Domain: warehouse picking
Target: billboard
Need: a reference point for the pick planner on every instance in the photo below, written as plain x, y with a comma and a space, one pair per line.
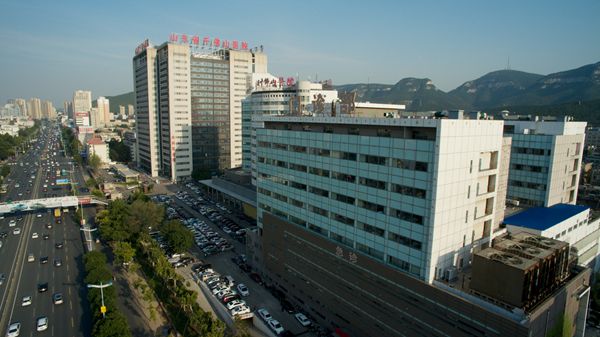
62, 182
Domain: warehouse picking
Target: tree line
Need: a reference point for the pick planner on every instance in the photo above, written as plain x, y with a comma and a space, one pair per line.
9, 144
126, 226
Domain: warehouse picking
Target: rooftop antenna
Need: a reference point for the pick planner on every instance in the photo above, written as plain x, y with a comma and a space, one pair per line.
508, 63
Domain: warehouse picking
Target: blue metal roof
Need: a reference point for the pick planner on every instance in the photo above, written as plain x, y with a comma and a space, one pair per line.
542, 218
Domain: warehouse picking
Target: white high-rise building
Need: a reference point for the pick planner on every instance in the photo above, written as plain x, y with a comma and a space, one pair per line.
82, 104
103, 110
217, 81
170, 117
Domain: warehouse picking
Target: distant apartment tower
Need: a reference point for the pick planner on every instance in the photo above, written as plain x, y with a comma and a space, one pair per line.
163, 118
35, 108
48, 110
22, 104
130, 111
82, 104
122, 112
545, 161
103, 105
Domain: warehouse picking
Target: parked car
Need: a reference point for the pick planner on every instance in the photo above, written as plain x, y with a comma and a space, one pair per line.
243, 289
234, 303
240, 310
302, 319
264, 314
275, 326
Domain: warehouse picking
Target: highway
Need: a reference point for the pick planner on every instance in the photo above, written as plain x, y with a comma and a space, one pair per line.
35, 180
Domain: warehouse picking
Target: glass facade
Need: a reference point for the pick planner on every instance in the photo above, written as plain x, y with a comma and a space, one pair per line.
368, 193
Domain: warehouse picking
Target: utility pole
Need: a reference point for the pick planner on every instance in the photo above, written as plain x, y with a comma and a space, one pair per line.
101, 286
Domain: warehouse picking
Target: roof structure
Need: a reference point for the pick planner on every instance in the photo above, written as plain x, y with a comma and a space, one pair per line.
542, 218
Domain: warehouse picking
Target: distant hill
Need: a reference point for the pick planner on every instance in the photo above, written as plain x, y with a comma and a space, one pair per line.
503, 88
494, 88
123, 99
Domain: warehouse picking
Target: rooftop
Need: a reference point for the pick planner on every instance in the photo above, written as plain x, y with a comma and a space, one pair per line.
542, 218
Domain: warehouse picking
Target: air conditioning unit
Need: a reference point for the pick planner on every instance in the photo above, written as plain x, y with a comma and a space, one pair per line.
450, 274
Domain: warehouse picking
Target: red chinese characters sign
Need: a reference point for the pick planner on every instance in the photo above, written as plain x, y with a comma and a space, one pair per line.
215, 42
142, 46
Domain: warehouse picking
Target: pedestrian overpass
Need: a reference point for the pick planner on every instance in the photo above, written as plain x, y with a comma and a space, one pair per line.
49, 203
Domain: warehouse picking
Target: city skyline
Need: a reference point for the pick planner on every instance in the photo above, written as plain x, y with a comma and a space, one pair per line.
359, 43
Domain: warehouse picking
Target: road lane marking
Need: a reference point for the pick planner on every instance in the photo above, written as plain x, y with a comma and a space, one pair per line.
71, 304
72, 322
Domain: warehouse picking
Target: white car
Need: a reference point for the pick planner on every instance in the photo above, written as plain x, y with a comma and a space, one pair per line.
14, 330
42, 323
235, 303
17, 231
220, 289
304, 321
26, 301
275, 326
240, 310
39, 215
12, 223
264, 314
225, 292
243, 289
34, 235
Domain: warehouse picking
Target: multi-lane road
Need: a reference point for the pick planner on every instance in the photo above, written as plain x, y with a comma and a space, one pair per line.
34, 176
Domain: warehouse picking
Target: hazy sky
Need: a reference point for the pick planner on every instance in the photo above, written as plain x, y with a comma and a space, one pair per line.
51, 48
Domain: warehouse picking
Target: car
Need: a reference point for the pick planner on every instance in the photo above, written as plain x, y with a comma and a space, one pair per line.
12, 223
275, 326
240, 310
243, 289
14, 330
34, 235
49, 225
3, 234
59, 245
264, 314
43, 260
17, 231
225, 292
42, 323
57, 298
2, 278
287, 306
38, 215
235, 303
43, 287
26, 301
302, 319
46, 236
230, 297
30, 257
57, 262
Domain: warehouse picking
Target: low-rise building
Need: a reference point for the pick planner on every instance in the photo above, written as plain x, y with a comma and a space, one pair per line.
565, 222
98, 147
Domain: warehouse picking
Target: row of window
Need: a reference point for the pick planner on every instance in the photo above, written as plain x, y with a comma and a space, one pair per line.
535, 186
529, 150
373, 207
378, 184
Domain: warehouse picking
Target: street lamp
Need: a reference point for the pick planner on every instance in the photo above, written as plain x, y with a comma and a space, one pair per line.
101, 286
89, 230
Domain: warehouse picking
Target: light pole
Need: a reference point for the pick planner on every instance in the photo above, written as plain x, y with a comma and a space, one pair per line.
101, 286
89, 230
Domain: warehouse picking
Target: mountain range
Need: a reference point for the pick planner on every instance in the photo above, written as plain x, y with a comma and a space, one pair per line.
502, 88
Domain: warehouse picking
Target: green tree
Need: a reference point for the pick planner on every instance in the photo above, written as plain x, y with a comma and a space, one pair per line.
145, 214
179, 238
114, 325
5, 170
94, 162
124, 253
90, 183
113, 222
118, 151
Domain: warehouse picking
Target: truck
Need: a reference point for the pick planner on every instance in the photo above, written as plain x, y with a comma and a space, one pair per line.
57, 213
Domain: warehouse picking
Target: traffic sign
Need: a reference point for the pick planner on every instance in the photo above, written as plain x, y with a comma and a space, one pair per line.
103, 309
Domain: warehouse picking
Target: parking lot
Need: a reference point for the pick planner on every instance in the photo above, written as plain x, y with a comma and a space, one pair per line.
220, 247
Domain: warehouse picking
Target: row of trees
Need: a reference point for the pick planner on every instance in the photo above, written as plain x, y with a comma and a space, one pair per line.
126, 225
72, 145
9, 144
113, 324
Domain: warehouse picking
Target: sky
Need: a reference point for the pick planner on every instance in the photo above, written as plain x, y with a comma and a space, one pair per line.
51, 48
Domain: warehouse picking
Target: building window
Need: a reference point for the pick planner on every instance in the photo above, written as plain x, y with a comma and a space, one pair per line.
406, 216
370, 159
371, 206
370, 229
318, 210
297, 167
343, 177
377, 254
343, 219
403, 240
372, 183
343, 198
409, 191
319, 172
318, 191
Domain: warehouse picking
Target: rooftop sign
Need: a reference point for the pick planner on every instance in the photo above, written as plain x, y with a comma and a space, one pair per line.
208, 42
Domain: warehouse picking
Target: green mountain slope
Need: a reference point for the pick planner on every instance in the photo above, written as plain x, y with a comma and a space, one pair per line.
123, 99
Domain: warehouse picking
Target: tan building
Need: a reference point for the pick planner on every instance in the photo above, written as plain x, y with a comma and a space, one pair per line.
35, 108
103, 111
